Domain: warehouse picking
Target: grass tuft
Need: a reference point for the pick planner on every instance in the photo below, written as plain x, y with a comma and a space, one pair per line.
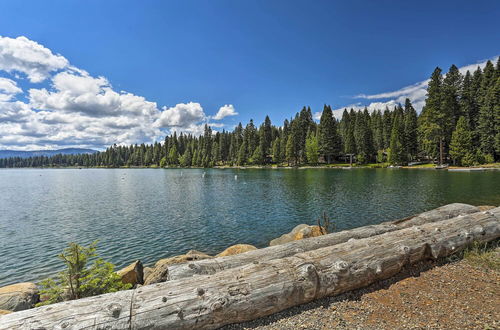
483, 255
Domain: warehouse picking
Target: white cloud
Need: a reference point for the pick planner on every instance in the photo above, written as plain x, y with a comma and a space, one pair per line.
182, 115
8, 88
416, 93
76, 109
225, 111
29, 57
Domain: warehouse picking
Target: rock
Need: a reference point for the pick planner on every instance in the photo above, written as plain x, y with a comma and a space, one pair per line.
146, 272
485, 207
307, 232
132, 274
160, 271
299, 232
18, 297
4, 312
237, 249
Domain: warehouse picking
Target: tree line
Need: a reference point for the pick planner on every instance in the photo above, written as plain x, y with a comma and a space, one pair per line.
459, 123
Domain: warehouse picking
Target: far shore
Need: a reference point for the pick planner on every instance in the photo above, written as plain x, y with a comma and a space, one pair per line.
484, 167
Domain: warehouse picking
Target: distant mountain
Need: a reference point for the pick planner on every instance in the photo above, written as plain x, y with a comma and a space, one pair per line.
33, 153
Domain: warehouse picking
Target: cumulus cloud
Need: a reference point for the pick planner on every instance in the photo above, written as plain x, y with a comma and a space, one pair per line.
225, 111
182, 115
8, 88
75, 109
29, 57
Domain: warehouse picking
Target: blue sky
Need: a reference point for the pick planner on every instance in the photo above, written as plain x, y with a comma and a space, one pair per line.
257, 57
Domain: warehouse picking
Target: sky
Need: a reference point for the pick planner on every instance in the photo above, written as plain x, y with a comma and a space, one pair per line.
93, 73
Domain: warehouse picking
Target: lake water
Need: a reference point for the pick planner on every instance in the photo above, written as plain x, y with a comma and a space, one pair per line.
150, 214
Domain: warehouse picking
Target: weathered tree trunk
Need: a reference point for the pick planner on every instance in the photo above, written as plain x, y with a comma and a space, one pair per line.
263, 288
211, 266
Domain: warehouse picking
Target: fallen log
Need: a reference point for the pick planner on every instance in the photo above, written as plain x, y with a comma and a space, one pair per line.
262, 288
163, 273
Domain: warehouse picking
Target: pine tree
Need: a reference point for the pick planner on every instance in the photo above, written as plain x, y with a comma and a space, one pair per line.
450, 106
397, 152
329, 140
487, 127
432, 120
186, 158
461, 143
410, 130
242, 154
173, 155
290, 150
276, 151
387, 127
377, 130
312, 148
348, 123
362, 137
266, 137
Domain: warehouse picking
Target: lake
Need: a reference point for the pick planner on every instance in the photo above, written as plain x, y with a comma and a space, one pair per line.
150, 214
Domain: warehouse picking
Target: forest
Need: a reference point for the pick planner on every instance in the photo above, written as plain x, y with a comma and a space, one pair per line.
459, 124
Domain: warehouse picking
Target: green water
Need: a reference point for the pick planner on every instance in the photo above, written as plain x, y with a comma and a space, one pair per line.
150, 214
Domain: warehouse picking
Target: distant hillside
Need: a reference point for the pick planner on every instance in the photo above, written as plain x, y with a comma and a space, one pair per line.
33, 153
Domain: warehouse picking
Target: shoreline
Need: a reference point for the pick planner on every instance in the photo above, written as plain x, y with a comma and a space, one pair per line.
485, 167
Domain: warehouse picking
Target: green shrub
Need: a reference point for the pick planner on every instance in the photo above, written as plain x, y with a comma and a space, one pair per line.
79, 281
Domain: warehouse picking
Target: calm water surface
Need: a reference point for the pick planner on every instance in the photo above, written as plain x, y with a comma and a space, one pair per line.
150, 214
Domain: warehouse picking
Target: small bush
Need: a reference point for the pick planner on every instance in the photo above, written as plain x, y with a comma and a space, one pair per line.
325, 226
79, 281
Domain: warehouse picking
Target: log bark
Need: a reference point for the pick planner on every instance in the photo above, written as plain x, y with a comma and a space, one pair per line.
262, 288
212, 266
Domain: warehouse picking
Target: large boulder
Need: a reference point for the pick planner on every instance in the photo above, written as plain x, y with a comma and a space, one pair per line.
18, 297
160, 271
132, 274
299, 232
236, 249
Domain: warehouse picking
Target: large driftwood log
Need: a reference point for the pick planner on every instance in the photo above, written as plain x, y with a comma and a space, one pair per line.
163, 273
263, 288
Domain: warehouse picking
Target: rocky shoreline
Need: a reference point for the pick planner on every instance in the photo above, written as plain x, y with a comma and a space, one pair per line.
22, 296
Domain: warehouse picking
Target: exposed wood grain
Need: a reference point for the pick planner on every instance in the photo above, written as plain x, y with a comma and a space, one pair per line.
263, 288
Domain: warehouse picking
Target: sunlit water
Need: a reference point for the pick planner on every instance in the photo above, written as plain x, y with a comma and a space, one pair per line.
150, 214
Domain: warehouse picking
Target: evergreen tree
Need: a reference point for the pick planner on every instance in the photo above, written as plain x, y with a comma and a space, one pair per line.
461, 148
410, 130
329, 140
242, 154
387, 127
186, 158
348, 121
397, 152
173, 155
487, 127
312, 148
432, 121
362, 137
291, 156
450, 106
266, 137
276, 146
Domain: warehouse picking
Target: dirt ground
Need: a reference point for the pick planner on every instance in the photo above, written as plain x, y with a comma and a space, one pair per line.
429, 295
